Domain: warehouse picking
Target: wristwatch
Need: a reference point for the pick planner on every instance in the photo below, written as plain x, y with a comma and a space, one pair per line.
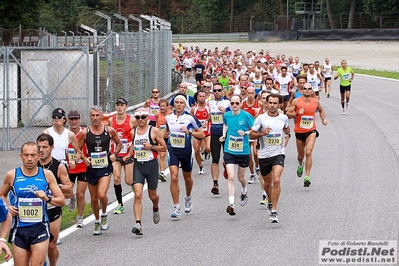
49, 199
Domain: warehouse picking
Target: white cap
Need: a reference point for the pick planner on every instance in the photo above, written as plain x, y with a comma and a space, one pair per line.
141, 111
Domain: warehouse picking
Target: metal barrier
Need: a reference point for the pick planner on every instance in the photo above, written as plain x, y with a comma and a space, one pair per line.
131, 64
37, 80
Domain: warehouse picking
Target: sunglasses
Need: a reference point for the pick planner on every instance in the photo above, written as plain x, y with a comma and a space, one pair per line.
155, 92
244, 88
57, 117
307, 88
142, 117
217, 90
234, 103
206, 87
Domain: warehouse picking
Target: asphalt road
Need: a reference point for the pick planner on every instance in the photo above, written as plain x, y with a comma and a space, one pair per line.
353, 196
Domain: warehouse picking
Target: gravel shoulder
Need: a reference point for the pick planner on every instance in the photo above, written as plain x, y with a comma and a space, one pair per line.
377, 55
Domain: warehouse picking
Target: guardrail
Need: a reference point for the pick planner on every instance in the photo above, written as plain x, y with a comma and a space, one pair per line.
211, 37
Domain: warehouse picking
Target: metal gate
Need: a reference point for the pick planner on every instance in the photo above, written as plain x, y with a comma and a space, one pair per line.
36, 80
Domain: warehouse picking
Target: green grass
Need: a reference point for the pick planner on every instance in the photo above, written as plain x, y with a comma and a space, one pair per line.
68, 220
378, 73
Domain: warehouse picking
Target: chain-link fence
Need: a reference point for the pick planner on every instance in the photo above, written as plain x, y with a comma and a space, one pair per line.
132, 64
35, 81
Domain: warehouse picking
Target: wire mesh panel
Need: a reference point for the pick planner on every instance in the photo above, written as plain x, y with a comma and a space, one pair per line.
132, 64
38, 80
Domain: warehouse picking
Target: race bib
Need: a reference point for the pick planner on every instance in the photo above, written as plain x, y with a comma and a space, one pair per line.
284, 87
71, 154
274, 139
30, 210
236, 143
295, 71
204, 124
154, 109
306, 122
99, 159
346, 76
177, 140
162, 128
124, 146
141, 154
198, 70
217, 117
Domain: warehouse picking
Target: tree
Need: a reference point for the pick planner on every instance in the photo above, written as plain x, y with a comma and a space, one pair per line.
351, 14
330, 14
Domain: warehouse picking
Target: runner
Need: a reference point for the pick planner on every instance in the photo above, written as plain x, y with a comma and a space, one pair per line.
164, 110
346, 76
147, 142
303, 109
181, 126
273, 131
5, 220
79, 172
250, 105
284, 83
201, 112
314, 79
123, 124
328, 71
153, 106
30, 234
46, 161
218, 107
183, 90
236, 124
97, 138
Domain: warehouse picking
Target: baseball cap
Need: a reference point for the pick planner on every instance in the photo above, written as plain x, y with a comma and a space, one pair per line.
74, 114
239, 63
121, 100
58, 112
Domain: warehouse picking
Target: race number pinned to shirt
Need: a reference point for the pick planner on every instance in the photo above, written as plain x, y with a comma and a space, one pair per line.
154, 109
177, 140
217, 117
306, 122
162, 128
346, 76
30, 210
124, 145
141, 154
99, 159
71, 154
236, 143
274, 139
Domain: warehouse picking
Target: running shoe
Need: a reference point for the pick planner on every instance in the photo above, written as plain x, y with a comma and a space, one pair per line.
328, 95
72, 203
230, 210
79, 222
156, 217
119, 209
243, 199
207, 156
299, 170
343, 112
306, 181
257, 170
274, 218
137, 229
252, 179
269, 207
59, 241
97, 229
176, 212
225, 171
104, 223
215, 190
201, 170
188, 205
264, 200
162, 177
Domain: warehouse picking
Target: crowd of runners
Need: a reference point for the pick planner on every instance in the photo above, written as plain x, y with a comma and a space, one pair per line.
238, 115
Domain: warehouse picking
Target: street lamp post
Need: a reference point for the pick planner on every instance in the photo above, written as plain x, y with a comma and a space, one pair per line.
73, 38
66, 40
